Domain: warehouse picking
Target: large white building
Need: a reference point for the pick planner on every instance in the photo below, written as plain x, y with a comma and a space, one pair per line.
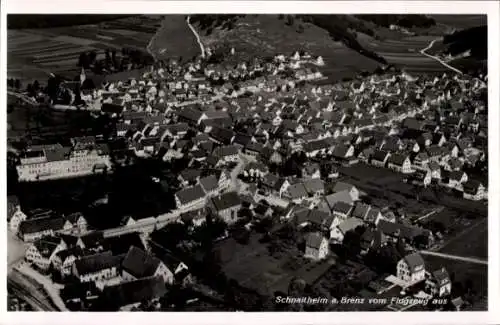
46, 162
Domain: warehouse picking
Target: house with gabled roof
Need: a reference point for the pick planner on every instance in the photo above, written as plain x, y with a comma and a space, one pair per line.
138, 264
96, 267
226, 206
474, 190
32, 229
338, 233
400, 163
438, 283
296, 192
380, 158
190, 198
411, 269
42, 251
209, 184
317, 246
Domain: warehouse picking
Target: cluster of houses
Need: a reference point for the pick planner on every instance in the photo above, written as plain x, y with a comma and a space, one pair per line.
121, 269
430, 129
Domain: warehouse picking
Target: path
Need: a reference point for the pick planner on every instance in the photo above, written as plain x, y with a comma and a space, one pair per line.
24, 98
198, 39
425, 216
422, 51
50, 287
456, 258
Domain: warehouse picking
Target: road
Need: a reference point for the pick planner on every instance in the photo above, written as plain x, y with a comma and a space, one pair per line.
24, 98
455, 257
29, 291
425, 216
198, 39
423, 52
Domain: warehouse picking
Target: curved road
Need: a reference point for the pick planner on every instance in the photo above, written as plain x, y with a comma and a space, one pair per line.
422, 51
198, 39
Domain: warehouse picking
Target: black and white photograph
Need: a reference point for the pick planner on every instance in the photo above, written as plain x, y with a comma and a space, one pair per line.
243, 162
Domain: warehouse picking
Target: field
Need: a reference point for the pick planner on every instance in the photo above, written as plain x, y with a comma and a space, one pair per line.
405, 53
460, 21
35, 53
174, 39
266, 35
253, 267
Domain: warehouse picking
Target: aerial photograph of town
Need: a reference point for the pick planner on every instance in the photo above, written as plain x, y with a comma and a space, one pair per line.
247, 162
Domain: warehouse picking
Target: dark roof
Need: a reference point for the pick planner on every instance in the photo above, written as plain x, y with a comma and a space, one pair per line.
190, 194
127, 293
97, 262
414, 260
441, 276
314, 240
190, 114
140, 264
361, 210
225, 151
222, 135
209, 183
31, 226
342, 207
226, 201
121, 244
314, 185
397, 159
342, 186
297, 191
408, 232
380, 155
46, 246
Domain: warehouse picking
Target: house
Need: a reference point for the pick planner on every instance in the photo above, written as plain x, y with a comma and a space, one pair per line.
311, 171
351, 189
435, 170
372, 239
454, 179
411, 269
421, 177
32, 229
438, 283
125, 295
42, 251
342, 210
373, 216
15, 216
314, 187
78, 220
209, 185
226, 154
190, 198
474, 190
64, 259
338, 233
400, 163
317, 246
138, 264
421, 160
226, 206
379, 158
296, 192
96, 267
395, 231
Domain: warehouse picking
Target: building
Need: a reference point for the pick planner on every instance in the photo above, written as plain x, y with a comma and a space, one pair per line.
411, 269
125, 295
400, 163
338, 233
33, 229
316, 246
64, 260
210, 185
190, 198
138, 264
474, 190
226, 206
438, 283
41, 253
96, 267
55, 161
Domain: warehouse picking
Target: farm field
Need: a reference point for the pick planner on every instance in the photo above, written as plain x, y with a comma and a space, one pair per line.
266, 35
174, 39
33, 54
460, 21
405, 52
253, 267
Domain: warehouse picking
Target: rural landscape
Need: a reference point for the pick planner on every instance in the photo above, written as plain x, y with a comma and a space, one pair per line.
277, 162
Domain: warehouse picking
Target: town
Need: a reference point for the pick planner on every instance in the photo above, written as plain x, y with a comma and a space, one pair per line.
274, 182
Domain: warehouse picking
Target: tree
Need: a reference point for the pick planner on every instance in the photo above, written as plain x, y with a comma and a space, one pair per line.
17, 84
300, 29
83, 60
289, 20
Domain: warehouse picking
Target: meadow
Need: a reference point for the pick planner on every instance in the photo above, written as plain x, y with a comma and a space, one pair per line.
32, 54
